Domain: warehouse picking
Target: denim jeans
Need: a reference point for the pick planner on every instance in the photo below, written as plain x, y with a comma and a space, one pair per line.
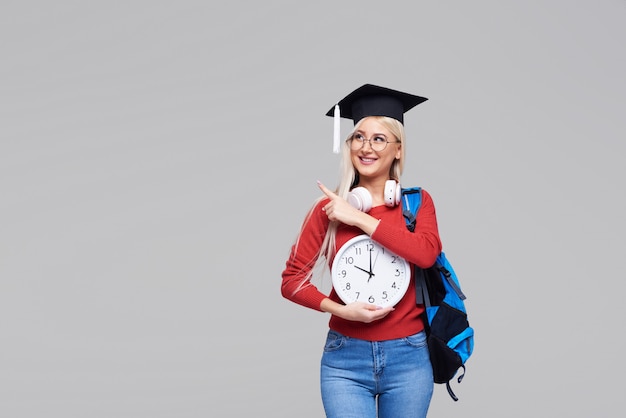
361, 378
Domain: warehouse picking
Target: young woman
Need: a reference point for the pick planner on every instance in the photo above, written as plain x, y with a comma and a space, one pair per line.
375, 361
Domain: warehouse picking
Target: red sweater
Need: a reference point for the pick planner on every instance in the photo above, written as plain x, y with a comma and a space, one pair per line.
420, 248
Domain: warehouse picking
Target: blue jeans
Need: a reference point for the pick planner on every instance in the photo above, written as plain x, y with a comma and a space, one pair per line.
361, 378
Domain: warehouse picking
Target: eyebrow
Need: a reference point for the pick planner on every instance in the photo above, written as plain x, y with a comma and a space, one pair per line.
359, 131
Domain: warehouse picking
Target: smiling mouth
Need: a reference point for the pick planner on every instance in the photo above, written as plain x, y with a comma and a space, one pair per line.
367, 160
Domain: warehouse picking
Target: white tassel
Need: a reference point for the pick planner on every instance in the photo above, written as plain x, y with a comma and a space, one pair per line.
337, 130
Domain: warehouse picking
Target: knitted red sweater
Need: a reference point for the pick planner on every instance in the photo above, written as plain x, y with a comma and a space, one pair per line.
419, 248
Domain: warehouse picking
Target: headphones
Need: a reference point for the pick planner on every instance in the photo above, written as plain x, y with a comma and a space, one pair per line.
360, 197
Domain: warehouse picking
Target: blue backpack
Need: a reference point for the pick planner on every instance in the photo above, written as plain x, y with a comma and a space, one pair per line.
450, 337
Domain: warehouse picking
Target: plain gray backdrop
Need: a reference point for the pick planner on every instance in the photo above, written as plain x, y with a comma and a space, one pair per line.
157, 159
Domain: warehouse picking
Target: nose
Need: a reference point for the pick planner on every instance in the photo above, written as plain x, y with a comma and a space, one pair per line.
367, 142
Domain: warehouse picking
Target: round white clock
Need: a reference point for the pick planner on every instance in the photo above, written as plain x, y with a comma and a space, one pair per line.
365, 271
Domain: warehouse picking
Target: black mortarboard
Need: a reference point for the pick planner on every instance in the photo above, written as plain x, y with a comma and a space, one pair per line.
371, 100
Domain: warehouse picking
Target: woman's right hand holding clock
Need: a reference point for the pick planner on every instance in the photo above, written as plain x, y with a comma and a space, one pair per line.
356, 311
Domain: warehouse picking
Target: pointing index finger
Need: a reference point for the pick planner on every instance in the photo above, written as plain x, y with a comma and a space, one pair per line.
324, 189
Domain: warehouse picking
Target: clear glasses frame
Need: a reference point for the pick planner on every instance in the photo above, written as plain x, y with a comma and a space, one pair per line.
377, 143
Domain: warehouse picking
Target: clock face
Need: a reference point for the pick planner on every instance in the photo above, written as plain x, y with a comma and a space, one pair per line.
365, 271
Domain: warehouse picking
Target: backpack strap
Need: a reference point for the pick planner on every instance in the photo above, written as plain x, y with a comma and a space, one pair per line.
422, 296
411, 201
459, 379
446, 273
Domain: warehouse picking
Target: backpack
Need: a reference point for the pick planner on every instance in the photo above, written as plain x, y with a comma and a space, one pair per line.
449, 335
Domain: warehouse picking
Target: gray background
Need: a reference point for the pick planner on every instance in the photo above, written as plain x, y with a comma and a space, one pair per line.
157, 158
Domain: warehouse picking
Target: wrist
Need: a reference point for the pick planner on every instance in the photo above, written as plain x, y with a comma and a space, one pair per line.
332, 307
367, 223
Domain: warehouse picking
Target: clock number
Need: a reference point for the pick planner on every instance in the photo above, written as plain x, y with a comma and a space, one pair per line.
357, 295
343, 273
394, 258
397, 272
394, 285
371, 299
385, 294
357, 250
348, 286
369, 247
349, 260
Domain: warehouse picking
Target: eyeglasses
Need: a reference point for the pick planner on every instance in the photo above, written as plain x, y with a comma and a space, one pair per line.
377, 143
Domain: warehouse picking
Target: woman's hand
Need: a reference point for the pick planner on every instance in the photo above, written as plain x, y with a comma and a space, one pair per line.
338, 209
365, 312
356, 311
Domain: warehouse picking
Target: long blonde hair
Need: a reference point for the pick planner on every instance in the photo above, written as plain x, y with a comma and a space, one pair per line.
347, 181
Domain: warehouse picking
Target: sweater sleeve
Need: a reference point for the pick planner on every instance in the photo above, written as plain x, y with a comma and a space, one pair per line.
296, 285
420, 247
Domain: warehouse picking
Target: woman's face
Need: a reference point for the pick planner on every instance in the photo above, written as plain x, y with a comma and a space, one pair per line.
368, 162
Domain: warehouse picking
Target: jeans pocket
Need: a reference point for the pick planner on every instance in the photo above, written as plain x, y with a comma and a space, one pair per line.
416, 340
334, 341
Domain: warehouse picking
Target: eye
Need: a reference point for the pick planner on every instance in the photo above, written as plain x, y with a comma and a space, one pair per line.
379, 140
358, 137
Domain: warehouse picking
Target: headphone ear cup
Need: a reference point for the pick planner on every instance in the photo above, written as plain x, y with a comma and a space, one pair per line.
360, 198
398, 193
392, 193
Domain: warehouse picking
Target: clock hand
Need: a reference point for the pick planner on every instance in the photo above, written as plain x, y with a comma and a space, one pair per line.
370, 272
372, 266
362, 269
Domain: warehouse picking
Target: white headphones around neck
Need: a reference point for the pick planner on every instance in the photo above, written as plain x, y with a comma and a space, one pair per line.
360, 197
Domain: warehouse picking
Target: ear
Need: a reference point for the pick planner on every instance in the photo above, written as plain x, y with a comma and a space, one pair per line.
399, 151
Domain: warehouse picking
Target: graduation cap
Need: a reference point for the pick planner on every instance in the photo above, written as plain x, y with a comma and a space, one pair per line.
371, 100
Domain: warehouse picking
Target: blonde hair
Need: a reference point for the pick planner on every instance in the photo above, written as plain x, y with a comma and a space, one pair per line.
348, 179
